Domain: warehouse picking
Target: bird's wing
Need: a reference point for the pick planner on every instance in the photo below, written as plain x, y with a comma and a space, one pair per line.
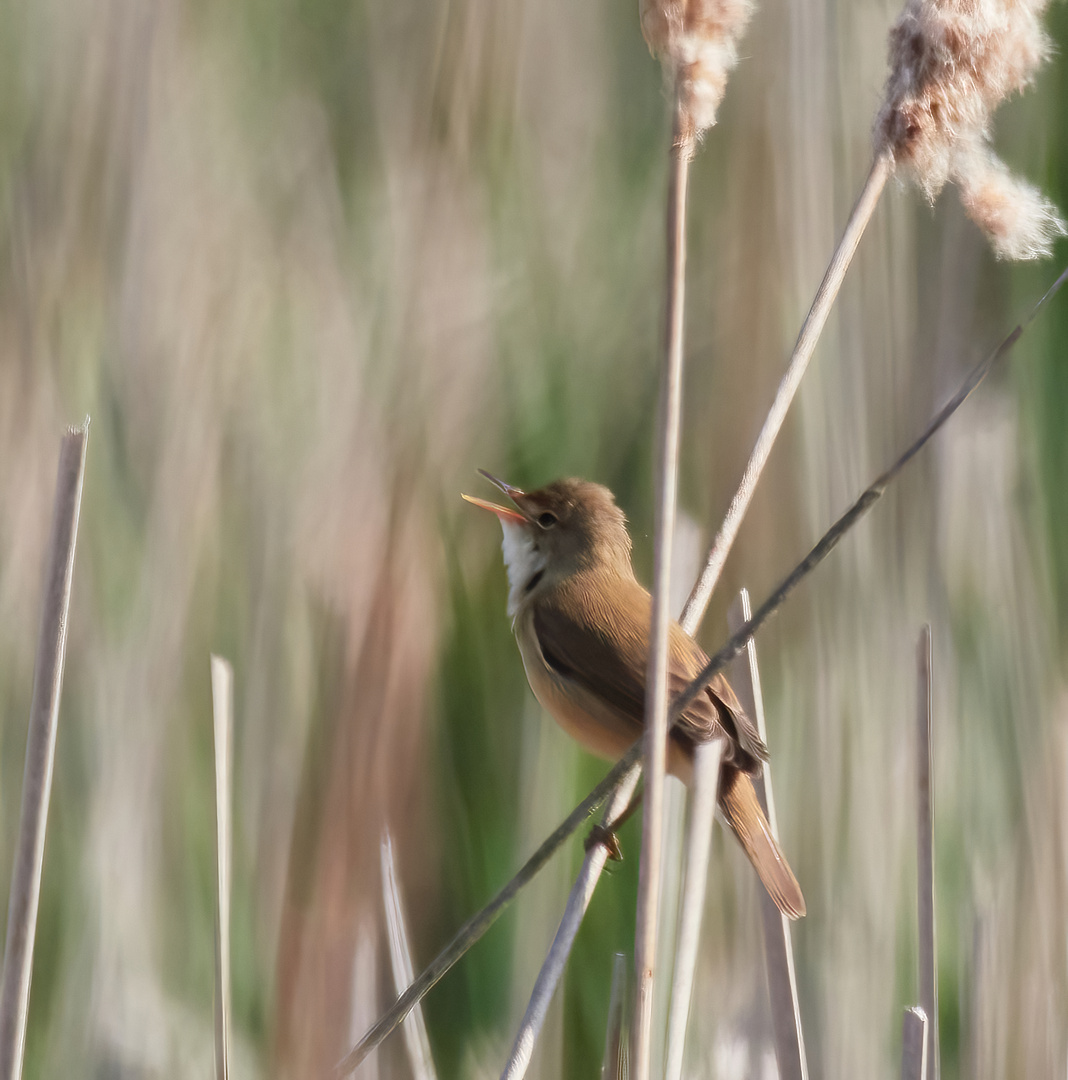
688, 659
612, 639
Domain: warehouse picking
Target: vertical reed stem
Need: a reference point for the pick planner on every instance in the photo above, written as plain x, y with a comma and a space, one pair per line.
656, 698
778, 940
928, 960
40, 755
914, 1045
222, 700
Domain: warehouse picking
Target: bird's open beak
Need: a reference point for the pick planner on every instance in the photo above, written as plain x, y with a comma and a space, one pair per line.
505, 513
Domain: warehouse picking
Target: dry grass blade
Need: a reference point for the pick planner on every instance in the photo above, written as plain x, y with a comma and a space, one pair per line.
704, 789
656, 692
784, 396
778, 942
914, 1045
553, 968
479, 923
415, 1034
863, 504
40, 754
925, 910
222, 701
614, 1065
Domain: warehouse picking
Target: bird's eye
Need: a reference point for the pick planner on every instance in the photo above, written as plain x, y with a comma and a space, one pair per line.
546, 520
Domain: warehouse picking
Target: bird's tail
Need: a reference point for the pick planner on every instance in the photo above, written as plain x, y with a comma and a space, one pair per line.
738, 801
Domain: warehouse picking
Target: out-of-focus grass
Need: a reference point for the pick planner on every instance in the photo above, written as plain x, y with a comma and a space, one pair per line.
308, 266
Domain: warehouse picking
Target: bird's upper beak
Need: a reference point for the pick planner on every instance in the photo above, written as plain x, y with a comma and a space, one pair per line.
505, 513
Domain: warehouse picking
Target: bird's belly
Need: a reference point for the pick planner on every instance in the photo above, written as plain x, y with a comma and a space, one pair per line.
594, 725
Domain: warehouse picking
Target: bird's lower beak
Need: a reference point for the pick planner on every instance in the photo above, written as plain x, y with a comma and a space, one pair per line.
505, 513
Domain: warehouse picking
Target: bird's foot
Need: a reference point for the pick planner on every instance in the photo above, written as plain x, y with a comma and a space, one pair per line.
600, 834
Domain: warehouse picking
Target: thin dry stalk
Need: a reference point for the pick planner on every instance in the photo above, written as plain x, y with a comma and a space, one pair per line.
868, 498
553, 968
925, 849
614, 1065
222, 701
914, 1045
416, 1038
698, 846
477, 925
40, 754
778, 941
481, 921
656, 695
811, 329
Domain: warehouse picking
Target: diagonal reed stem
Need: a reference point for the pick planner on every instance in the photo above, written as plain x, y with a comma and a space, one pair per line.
656, 685
811, 329
868, 498
40, 754
480, 922
552, 969
477, 925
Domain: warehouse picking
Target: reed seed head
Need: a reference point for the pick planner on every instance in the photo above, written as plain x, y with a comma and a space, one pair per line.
697, 42
951, 63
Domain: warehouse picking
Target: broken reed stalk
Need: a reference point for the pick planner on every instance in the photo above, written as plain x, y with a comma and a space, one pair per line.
482, 920
656, 684
778, 939
614, 1063
416, 1039
40, 754
222, 702
925, 909
552, 968
477, 925
704, 789
811, 329
914, 1045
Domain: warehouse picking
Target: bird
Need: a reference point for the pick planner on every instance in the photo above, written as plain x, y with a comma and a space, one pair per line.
582, 621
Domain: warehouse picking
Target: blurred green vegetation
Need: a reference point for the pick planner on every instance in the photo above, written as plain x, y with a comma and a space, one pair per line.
308, 265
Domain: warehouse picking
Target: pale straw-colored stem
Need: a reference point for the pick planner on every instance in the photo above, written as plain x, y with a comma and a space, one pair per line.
222, 702
25, 891
416, 1038
914, 1045
925, 851
656, 695
614, 1063
707, 757
482, 920
553, 968
778, 940
813, 325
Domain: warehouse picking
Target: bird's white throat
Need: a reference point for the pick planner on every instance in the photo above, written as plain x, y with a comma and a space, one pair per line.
522, 560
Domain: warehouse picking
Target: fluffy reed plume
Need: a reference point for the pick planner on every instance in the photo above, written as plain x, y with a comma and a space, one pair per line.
697, 42
951, 63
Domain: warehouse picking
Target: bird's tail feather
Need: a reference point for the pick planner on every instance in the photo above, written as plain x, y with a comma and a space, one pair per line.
738, 801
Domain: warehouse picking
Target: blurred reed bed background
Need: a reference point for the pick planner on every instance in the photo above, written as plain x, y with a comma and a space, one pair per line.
307, 265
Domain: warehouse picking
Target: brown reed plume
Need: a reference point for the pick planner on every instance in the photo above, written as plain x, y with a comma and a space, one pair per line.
951, 63
697, 42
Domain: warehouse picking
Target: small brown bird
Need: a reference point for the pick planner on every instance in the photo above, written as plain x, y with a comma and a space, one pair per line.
582, 621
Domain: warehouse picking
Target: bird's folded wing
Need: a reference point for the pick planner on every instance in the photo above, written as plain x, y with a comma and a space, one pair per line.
607, 653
